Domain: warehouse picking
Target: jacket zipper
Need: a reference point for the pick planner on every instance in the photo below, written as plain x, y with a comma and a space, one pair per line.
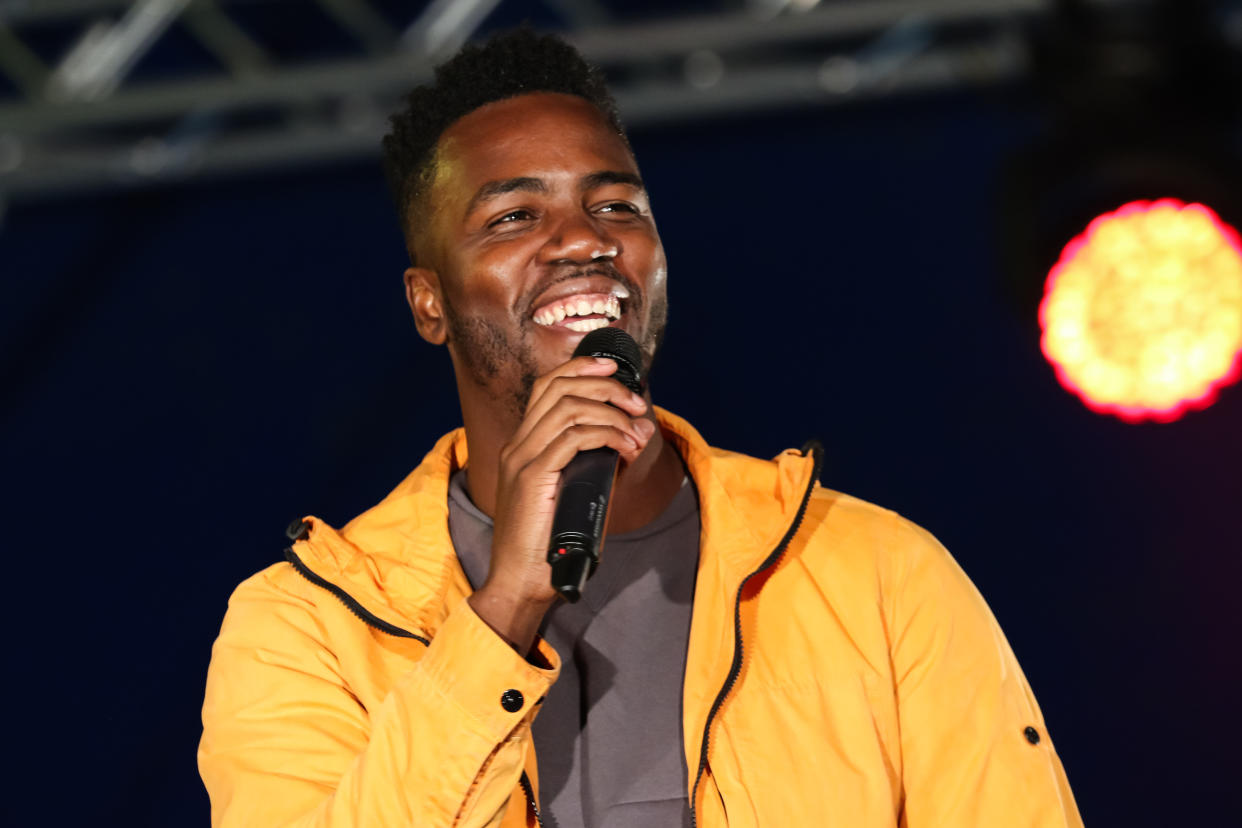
349, 601
530, 797
817, 454
371, 620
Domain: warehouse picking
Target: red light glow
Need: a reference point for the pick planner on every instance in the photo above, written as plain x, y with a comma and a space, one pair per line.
1142, 315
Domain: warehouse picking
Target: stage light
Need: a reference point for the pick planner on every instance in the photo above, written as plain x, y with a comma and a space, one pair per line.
1142, 315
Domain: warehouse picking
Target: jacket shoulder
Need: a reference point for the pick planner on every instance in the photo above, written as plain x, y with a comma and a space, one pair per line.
848, 538
279, 581
278, 597
844, 517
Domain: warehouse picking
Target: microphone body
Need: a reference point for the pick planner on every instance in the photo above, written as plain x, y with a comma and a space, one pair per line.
581, 516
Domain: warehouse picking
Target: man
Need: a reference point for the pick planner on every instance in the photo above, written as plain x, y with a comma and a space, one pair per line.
754, 650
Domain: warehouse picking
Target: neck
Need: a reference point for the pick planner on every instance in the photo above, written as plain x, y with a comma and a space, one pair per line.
643, 489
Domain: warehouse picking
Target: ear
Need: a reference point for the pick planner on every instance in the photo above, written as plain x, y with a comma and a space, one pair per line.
422, 291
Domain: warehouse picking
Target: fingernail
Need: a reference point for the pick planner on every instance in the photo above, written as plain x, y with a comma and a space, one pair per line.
603, 361
645, 427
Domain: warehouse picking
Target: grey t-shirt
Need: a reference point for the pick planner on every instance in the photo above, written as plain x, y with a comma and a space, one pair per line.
609, 736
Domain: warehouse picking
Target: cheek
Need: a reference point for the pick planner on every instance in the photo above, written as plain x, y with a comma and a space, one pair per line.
659, 287
648, 241
507, 263
488, 283
655, 269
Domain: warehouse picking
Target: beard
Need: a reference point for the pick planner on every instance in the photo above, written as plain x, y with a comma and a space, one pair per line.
488, 352
503, 360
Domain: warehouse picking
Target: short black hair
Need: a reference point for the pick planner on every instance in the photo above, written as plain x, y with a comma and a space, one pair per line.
511, 63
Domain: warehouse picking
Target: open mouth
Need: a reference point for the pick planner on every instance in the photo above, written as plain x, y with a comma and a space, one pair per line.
581, 312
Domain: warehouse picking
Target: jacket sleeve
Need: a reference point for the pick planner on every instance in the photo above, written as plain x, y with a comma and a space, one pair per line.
285, 742
975, 750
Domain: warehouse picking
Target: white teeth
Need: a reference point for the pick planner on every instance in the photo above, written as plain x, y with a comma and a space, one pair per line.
586, 325
610, 307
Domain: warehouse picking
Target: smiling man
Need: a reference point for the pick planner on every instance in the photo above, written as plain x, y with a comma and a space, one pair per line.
755, 650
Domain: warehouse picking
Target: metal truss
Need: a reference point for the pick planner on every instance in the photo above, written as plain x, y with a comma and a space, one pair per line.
93, 120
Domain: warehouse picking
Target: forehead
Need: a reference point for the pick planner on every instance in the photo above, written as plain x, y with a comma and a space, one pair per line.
542, 135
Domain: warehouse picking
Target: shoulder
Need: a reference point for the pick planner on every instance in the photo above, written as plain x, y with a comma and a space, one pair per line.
874, 551
276, 597
849, 546
835, 520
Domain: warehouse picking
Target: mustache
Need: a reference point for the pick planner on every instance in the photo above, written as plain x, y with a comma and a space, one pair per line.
605, 269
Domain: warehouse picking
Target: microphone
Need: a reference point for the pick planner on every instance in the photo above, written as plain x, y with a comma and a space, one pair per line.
586, 483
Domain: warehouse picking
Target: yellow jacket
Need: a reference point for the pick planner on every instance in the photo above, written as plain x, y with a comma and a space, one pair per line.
841, 671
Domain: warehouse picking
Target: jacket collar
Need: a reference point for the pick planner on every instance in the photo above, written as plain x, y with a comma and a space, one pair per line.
746, 504
394, 557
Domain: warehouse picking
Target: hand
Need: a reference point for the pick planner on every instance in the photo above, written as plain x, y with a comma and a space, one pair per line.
575, 407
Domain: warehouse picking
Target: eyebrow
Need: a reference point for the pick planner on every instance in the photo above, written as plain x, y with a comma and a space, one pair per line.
605, 177
495, 189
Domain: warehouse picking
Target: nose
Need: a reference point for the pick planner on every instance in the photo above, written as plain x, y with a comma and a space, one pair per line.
579, 239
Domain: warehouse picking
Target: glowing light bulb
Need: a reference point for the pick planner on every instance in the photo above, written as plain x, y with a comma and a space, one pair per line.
1142, 315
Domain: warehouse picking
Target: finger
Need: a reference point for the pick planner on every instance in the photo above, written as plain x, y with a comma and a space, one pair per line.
566, 413
583, 366
599, 389
557, 454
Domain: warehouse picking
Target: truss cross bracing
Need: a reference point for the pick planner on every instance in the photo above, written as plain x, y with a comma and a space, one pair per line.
105, 93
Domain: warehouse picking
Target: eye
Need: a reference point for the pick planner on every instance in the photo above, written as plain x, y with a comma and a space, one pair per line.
619, 207
512, 217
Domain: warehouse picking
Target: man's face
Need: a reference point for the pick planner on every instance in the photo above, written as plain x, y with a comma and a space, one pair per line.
539, 230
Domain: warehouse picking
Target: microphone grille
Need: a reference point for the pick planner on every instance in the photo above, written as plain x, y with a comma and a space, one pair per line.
620, 347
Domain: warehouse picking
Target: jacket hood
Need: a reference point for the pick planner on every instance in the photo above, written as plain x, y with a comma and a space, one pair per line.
391, 557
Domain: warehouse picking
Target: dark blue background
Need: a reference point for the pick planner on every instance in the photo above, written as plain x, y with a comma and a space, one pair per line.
186, 369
